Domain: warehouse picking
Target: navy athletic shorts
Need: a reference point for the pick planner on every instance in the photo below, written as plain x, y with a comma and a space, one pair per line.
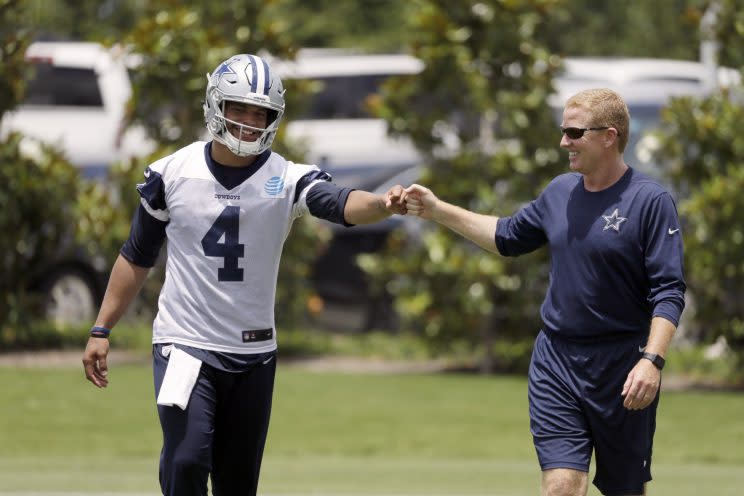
576, 407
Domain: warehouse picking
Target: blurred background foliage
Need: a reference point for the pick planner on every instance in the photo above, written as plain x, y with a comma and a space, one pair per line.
488, 71
36, 215
487, 76
703, 148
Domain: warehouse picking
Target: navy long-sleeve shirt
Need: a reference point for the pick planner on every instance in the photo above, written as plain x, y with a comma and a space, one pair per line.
616, 254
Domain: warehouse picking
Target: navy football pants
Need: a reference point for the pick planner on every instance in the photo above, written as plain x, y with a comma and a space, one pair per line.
221, 433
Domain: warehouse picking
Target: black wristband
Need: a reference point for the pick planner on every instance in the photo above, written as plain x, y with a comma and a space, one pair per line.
100, 332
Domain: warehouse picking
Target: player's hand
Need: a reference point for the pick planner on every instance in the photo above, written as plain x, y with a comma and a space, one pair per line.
420, 201
94, 361
395, 200
642, 385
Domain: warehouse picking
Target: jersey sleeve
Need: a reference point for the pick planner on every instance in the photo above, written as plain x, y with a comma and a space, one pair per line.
323, 198
664, 260
152, 195
147, 233
522, 232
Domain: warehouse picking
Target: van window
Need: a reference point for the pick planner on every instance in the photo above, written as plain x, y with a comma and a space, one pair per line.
63, 86
342, 97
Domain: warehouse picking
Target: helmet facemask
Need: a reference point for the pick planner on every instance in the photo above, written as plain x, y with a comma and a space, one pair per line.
243, 79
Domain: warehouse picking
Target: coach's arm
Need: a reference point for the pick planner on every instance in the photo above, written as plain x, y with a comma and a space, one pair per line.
478, 228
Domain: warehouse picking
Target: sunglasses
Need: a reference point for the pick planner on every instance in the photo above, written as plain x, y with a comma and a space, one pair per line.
578, 132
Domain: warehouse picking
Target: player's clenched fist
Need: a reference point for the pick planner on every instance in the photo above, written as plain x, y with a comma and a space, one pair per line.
395, 200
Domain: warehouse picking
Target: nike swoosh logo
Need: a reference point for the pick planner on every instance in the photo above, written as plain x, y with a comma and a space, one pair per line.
641, 349
268, 360
672, 231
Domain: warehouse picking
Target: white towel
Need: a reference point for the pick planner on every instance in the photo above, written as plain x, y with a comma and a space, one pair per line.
179, 380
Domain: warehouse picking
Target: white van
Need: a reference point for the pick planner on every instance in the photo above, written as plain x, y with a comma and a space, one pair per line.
76, 100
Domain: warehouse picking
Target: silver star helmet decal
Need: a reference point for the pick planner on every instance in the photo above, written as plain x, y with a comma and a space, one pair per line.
613, 221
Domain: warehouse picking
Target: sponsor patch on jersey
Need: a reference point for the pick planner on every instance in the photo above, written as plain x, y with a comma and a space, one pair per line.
257, 335
274, 188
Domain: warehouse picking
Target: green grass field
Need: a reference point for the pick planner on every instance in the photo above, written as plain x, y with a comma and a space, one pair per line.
341, 434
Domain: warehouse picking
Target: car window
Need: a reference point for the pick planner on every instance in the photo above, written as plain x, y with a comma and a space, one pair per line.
63, 86
342, 97
643, 118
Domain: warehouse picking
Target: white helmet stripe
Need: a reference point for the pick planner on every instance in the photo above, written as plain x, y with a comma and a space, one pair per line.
267, 77
260, 79
253, 77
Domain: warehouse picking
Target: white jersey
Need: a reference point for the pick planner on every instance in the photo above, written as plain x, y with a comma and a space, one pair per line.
224, 248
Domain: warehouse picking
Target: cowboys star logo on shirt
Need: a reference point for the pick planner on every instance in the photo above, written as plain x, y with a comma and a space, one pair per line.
613, 221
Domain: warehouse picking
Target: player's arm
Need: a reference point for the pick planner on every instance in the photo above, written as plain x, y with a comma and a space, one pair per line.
125, 282
478, 228
128, 274
347, 206
363, 207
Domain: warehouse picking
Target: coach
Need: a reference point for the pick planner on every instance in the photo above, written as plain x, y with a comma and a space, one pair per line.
614, 300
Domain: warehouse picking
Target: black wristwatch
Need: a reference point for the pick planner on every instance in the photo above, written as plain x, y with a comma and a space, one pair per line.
657, 360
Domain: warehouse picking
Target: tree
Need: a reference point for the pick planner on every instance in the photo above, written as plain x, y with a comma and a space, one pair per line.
35, 208
373, 25
704, 149
13, 44
479, 115
632, 28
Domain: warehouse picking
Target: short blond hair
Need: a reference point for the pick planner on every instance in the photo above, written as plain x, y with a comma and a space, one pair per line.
607, 109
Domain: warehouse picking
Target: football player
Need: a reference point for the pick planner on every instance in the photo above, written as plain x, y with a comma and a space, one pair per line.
225, 207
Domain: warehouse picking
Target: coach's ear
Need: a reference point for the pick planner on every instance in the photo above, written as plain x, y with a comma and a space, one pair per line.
610, 137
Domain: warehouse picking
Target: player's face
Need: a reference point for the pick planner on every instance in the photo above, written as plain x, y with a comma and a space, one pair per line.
253, 120
584, 152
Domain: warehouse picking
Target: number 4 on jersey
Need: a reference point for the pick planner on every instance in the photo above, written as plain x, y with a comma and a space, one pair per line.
227, 224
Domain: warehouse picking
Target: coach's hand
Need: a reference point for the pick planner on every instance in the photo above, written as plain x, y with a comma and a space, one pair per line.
94, 361
421, 202
642, 385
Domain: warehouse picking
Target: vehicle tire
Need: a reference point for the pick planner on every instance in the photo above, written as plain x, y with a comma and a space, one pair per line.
70, 297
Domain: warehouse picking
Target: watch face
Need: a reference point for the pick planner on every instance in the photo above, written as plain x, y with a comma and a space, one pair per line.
657, 360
